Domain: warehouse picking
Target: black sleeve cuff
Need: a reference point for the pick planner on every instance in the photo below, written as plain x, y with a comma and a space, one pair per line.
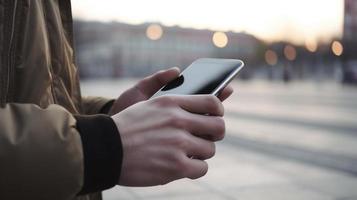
106, 108
102, 151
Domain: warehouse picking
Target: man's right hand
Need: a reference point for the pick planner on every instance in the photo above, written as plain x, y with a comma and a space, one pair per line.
163, 138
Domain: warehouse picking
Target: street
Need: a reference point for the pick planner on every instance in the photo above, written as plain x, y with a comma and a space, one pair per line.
283, 141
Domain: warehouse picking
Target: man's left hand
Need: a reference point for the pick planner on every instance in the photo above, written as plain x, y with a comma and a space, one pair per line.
148, 86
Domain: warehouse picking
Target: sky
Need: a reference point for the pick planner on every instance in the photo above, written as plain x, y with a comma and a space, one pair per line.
296, 21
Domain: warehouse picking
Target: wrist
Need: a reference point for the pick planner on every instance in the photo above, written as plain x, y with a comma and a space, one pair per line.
102, 151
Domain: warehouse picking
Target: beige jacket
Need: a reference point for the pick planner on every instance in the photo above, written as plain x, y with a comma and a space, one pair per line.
40, 148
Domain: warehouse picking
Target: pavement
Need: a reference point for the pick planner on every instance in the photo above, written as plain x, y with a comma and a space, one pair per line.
283, 141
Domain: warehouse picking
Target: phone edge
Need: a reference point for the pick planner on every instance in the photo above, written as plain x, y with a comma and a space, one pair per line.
228, 80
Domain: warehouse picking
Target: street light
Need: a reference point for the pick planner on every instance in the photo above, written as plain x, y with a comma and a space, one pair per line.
220, 39
290, 52
154, 32
271, 57
337, 48
311, 45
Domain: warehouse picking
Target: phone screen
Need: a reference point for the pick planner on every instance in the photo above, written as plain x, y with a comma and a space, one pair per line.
204, 76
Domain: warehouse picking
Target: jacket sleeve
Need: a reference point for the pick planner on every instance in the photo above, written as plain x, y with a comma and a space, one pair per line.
42, 156
40, 153
94, 105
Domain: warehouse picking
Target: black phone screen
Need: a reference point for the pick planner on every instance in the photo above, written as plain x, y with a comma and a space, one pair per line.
203, 76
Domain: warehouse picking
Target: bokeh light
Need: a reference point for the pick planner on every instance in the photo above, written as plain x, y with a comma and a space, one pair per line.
220, 39
271, 57
154, 32
290, 52
337, 48
311, 45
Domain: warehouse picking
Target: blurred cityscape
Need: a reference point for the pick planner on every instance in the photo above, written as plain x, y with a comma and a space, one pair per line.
114, 49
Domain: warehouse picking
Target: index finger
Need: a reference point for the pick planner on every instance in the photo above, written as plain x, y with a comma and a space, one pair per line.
149, 85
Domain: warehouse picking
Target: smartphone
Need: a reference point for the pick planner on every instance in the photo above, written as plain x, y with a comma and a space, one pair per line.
203, 76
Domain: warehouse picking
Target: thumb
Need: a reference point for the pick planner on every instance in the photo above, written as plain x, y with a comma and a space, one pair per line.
149, 85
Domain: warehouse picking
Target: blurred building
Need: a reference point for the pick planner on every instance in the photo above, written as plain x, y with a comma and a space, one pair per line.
122, 50
350, 20
118, 49
350, 42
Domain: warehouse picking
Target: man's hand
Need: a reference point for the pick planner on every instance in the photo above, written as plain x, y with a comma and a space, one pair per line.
147, 87
162, 138
144, 89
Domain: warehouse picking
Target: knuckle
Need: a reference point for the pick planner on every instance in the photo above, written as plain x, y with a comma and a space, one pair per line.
139, 83
182, 141
180, 121
171, 118
176, 119
164, 101
180, 166
158, 77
